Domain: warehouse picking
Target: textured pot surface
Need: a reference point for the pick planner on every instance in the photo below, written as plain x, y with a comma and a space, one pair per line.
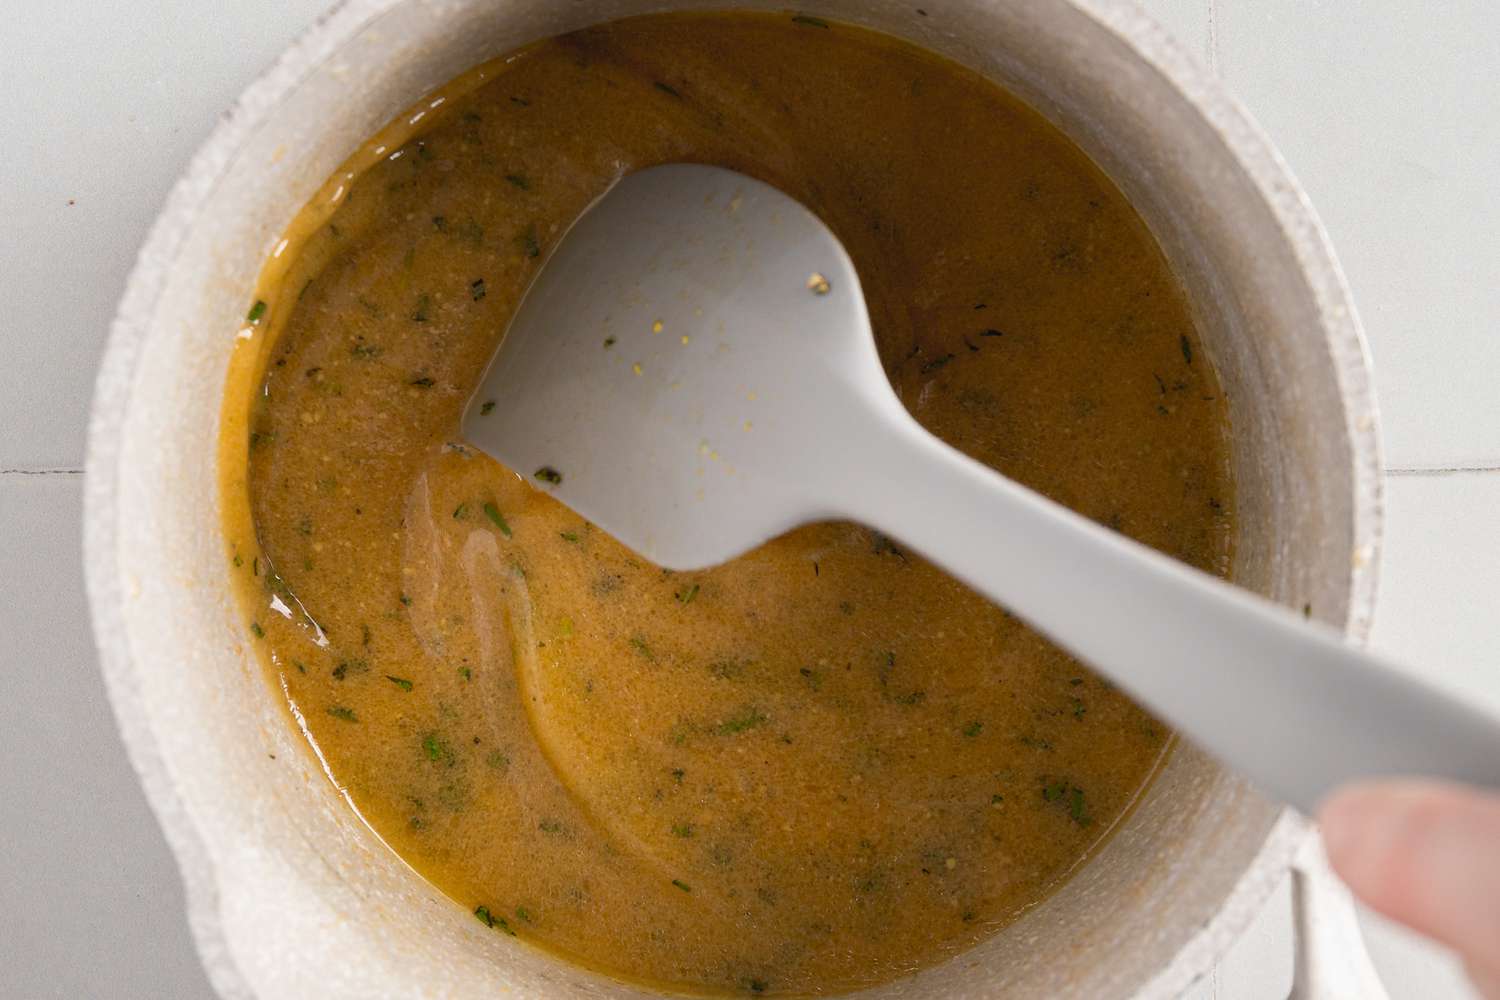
290, 894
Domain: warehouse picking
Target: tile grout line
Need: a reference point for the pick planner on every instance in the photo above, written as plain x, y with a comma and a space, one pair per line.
1448, 470
1213, 37
40, 472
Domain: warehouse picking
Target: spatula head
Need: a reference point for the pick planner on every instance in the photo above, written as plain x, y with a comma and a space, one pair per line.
680, 365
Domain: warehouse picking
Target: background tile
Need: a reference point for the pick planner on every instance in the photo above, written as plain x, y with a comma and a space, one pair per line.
92, 901
1389, 114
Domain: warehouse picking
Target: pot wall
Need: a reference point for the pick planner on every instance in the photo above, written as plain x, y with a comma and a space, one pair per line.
290, 895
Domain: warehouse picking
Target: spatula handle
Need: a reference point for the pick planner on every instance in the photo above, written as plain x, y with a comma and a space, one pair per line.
1285, 701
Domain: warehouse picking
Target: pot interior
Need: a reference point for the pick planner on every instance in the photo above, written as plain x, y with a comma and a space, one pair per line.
295, 896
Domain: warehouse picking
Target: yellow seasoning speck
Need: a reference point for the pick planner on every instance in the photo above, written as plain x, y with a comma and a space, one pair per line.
747, 425
684, 338
636, 367
951, 864
656, 327
817, 284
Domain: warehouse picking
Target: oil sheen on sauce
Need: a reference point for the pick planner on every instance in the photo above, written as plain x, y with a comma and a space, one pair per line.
825, 764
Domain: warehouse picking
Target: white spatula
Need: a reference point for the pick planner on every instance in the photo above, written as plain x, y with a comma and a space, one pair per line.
693, 371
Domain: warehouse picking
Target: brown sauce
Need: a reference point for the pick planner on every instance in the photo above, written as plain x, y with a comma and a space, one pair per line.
823, 765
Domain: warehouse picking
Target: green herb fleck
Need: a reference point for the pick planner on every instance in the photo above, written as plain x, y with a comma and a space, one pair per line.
347, 667
493, 513
667, 89
639, 644
257, 312
528, 242
523, 914
973, 729
1077, 807
1187, 348
439, 223
465, 673
1079, 708
476, 289
568, 536
490, 920
435, 748
400, 682
486, 408
682, 885
519, 180
609, 342
497, 760
260, 633
364, 352
751, 718
424, 304
548, 474
684, 830
757, 985
405, 601
810, 21
996, 799
550, 826
678, 774
425, 382
461, 512
686, 596
340, 712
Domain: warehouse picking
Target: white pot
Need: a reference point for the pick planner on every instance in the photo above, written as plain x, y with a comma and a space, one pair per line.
290, 895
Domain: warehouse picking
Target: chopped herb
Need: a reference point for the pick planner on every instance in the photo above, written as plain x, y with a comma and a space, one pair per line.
486, 408
609, 342
757, 985
810, 21
568, 536
439, 223
678, 774
550, 826
471, 231
936, 363
668, 89
812, 677
528, 242
990, 332
238, 562
424, 303
1077, 808
1307, 610
497, 760
460, 512
476, 289
405, 601
684, 830
260, 633
490, 920
882, 544
347, 667
548, 474
1054, 791
639, 644
969, 343
996, 799
523, 914
749, 720
1079, 708
523, 102
465, 673
425, 382
686, 596
493, 513
400, 682
257, 312
973, 729
362, 351
682, 885
915, 698
340, 712
1187, 348
519, 181
435, 748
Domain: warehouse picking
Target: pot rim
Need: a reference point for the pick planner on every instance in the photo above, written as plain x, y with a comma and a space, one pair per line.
1138, 32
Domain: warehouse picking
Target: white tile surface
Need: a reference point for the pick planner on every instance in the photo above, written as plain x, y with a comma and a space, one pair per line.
104, 103
1387, 110
91, 900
